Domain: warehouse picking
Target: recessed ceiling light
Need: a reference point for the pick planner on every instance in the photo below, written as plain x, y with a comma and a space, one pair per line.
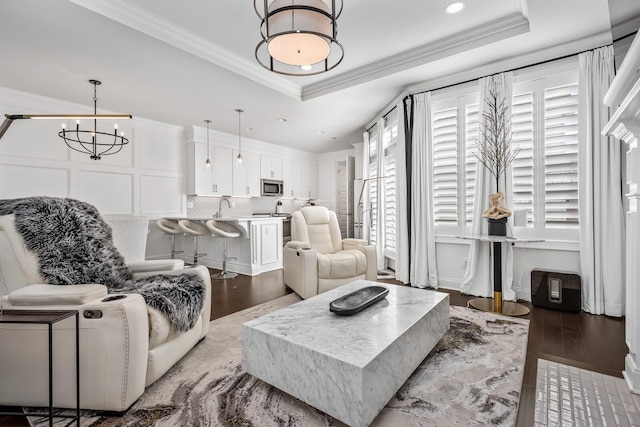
306, 67
287, 139
282, 119
454, 7
248, 128
320, 132
334, 137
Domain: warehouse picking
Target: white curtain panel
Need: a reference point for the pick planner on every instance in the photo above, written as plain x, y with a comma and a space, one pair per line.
423, 271
600, 190
477, 278
380, 214
365, 224
402, 229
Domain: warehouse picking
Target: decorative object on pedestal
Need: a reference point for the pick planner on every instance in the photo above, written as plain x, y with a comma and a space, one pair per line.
494, 152
497, 215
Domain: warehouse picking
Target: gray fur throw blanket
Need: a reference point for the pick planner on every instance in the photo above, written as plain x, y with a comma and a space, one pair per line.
74, 246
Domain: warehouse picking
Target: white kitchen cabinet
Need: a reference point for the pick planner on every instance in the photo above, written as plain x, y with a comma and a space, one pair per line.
270, 167
308, 181
291, 178
266, 245
246, 178
208, 181
222, 171
312, 184
300, 179
199, 177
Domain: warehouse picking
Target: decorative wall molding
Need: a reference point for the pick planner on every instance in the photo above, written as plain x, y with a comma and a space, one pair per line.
479, 36
140, 20
35, 161
499, 66
624, 125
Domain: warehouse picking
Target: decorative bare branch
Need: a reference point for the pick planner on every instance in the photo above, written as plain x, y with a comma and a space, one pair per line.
494, 148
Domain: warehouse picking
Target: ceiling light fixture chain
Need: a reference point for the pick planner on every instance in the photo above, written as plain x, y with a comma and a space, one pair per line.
207, 163
92, 142
299, 37
239, 158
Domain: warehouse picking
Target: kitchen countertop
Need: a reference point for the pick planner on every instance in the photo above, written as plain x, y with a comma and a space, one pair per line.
242, 222
229, 218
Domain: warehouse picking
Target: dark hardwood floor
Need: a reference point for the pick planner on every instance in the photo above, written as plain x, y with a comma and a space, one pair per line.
586, 341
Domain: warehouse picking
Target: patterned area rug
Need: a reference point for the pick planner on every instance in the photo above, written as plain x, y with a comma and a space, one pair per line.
472, 377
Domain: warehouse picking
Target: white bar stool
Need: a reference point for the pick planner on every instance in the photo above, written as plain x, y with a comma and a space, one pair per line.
194, 229
170, 227
225, 231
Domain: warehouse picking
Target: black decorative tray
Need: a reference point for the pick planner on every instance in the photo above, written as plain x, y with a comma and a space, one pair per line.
357, 301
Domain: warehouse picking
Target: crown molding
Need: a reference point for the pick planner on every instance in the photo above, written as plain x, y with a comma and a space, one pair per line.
625, 28
481, 35
141, 20
482, 70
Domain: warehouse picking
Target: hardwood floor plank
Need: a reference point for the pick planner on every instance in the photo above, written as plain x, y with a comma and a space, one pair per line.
553, 342
572, 337
535, 344
527, 407
604, 337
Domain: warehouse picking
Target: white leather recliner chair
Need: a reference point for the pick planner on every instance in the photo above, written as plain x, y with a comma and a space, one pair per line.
318, 259
124, 345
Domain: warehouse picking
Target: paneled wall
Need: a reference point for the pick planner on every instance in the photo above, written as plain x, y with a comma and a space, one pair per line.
144, 178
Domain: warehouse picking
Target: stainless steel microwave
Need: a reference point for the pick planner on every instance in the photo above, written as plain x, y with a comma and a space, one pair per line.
272, 187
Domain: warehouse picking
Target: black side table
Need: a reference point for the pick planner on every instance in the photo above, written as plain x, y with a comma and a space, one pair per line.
496, 304
49, 318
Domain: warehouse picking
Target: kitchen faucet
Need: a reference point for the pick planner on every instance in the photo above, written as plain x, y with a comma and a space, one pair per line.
219, 213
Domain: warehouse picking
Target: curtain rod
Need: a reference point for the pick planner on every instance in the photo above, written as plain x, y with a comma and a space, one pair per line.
513, 69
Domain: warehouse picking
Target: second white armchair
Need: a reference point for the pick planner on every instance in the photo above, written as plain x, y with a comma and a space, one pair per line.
318, 259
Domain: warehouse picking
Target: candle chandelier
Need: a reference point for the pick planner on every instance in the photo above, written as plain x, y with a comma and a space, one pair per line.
92, 142
89, 142
299, 36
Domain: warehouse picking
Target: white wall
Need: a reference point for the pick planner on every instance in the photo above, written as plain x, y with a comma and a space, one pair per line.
451, 254
144, 178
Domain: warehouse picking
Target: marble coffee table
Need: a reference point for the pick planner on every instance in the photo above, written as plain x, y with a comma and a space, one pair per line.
346, 366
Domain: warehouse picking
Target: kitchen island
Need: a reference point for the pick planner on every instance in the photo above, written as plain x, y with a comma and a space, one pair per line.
257, 250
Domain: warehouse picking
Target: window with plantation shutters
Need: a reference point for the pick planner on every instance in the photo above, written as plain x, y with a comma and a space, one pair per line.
545, 172
522, 130
389, 183
544, 126
472, 128
445, 166
455, 130
384, 189
561, 156
372, 209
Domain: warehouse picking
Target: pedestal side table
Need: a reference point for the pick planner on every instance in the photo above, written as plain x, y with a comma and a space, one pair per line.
496, 304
